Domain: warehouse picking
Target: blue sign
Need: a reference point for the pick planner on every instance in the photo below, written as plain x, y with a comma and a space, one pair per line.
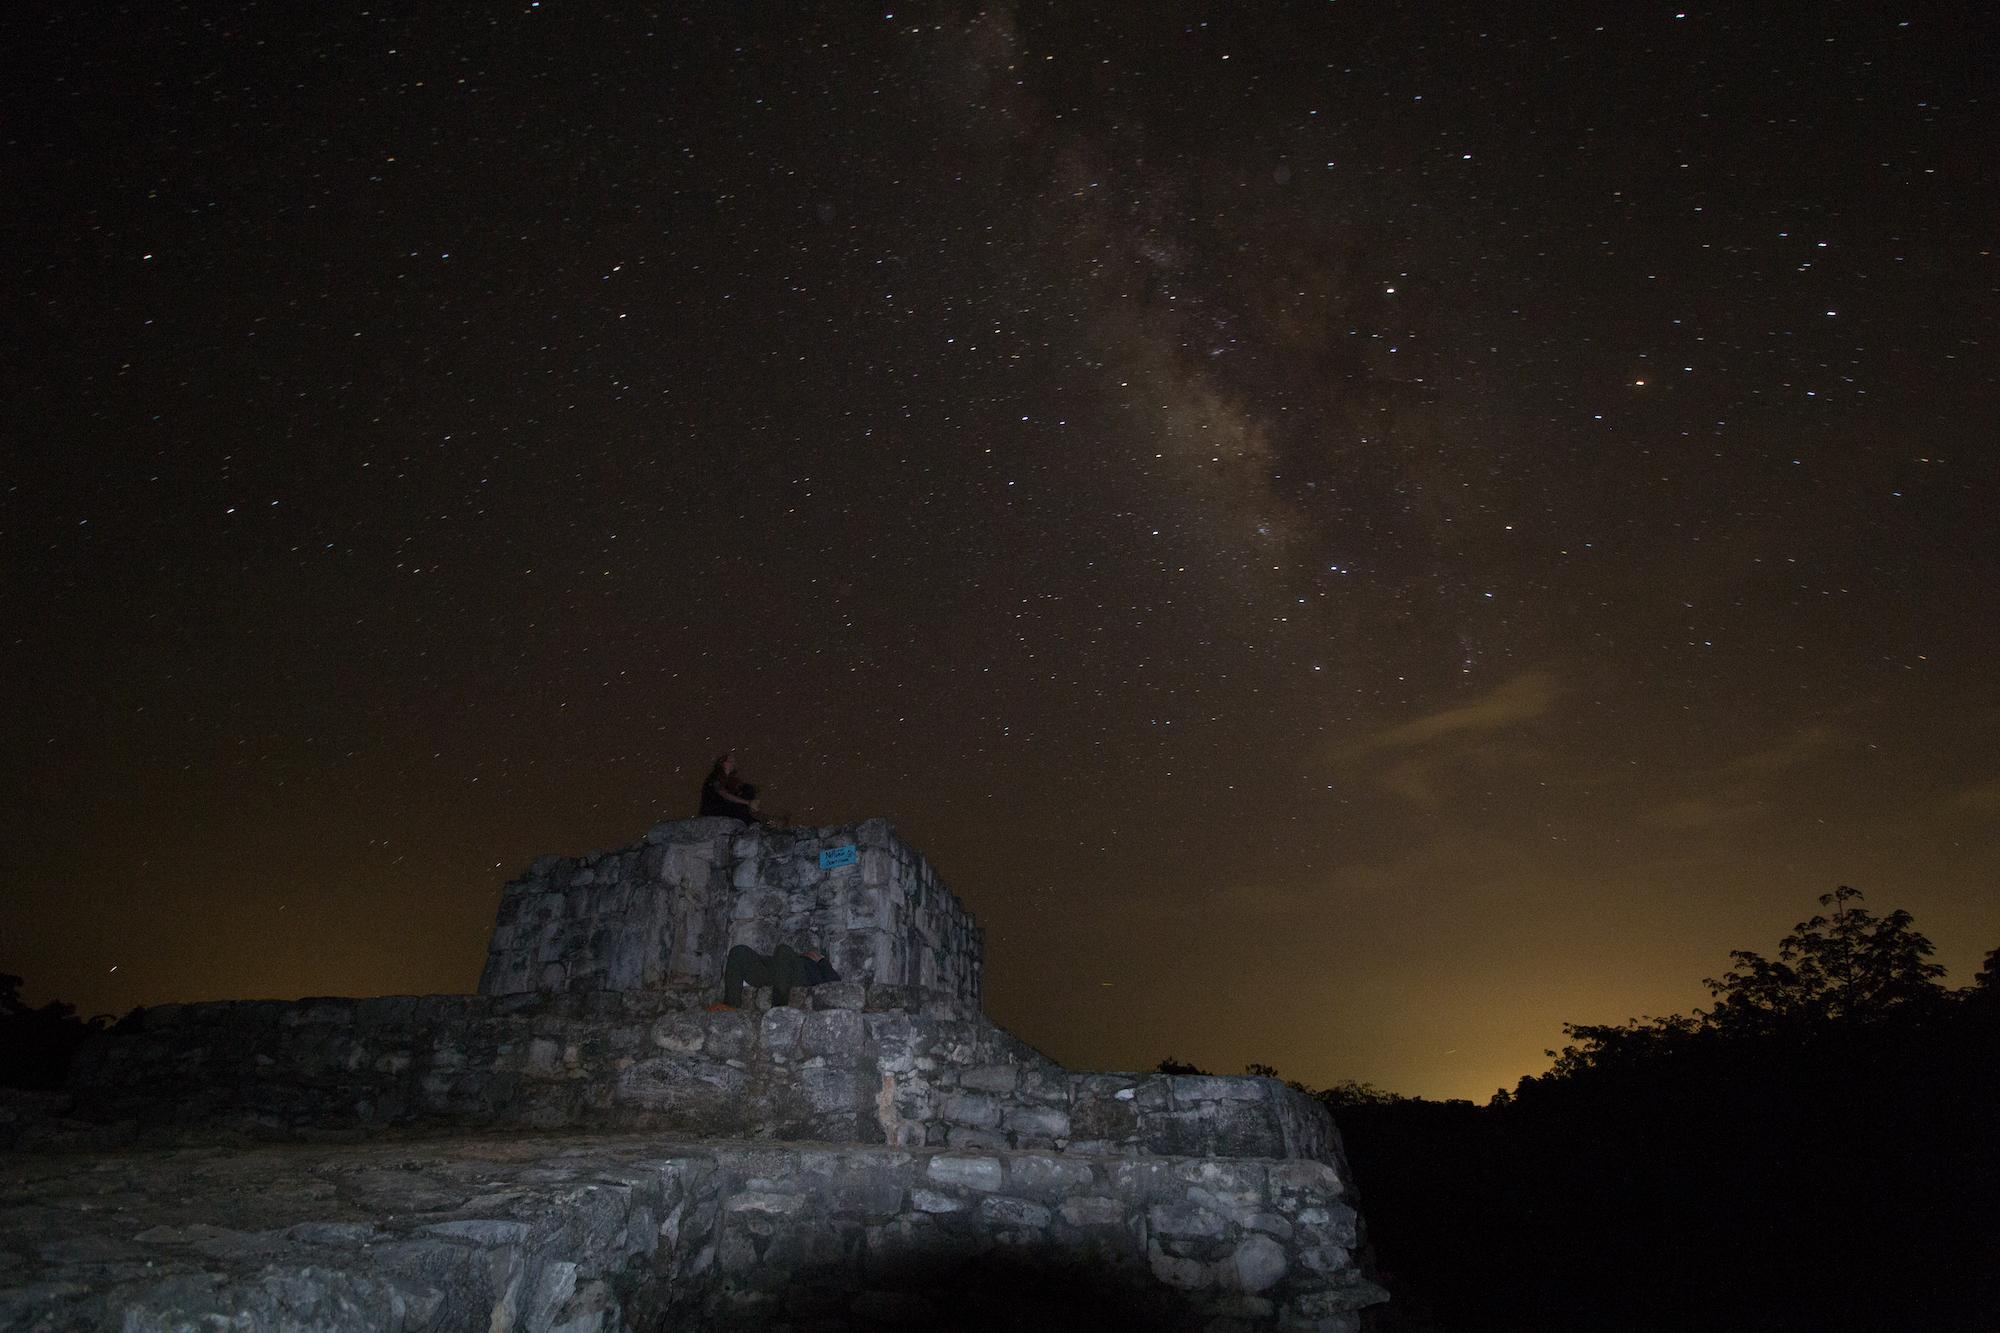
835, 857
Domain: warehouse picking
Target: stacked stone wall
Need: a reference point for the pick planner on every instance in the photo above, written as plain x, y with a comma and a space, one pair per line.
667, 911
1256, 1240
837, 1158
593, 1233
850, 1064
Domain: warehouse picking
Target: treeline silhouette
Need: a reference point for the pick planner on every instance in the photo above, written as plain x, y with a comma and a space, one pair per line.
1818, 1151
36, 1044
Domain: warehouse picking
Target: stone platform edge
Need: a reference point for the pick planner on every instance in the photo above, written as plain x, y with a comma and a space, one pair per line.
567, 1234
853, 1064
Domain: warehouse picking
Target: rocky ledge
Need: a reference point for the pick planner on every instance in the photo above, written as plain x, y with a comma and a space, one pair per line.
577, 1233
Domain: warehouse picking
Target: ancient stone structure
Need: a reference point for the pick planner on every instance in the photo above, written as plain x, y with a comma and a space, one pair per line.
667, 911
860, 1158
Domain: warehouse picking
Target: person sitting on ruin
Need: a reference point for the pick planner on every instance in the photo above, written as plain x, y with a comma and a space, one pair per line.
726, 794
782, 970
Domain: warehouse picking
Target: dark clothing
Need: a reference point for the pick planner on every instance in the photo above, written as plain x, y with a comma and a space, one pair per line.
713, 802
784, 969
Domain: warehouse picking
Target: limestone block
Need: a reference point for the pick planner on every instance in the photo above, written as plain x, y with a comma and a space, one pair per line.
839, 995
764, 1165
1094, 1211
1006, 1211
1048, 1176
833, 1033
1230, 1185
1143, 1092
545, 1057
1304, 1181
876, 867
834, 1103
483, 1231
729, 1034
680, 1033
1037, 1123
1185, 1219
1142, 1179
778, 1033
898, 1049
1256, 1264
939, 1005
769, 1203
587, 1308
874, 1192
1225, 1129
1176, 1133
990, 1078
966, 1171
1270, 1223
1188, 1088
972, 1110
866, 907
863, 955
886, 996
700, 1095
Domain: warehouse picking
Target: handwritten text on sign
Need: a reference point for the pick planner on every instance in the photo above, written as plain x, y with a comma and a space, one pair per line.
835, 857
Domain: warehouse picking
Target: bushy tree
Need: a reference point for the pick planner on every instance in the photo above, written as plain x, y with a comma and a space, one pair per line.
1851, 965
1984, 991
1837, 969
1352, 1092
1703, 1170
36, 1043
1634, 1044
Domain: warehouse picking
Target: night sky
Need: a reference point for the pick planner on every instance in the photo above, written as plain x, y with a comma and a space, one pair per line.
1350, 534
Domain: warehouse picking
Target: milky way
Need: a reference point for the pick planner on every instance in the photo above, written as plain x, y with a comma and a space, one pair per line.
1351, 538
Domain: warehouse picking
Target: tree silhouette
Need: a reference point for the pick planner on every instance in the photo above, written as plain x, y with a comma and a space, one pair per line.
1984, 992
36, 1043
1758, 1164
1850, 966
1846, 968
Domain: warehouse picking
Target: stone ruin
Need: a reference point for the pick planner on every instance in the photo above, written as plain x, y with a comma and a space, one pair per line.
585, 1145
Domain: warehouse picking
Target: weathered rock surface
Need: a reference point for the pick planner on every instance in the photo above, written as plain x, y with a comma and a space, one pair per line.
598, 1232
877, 1154
604, 1062
668, 910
